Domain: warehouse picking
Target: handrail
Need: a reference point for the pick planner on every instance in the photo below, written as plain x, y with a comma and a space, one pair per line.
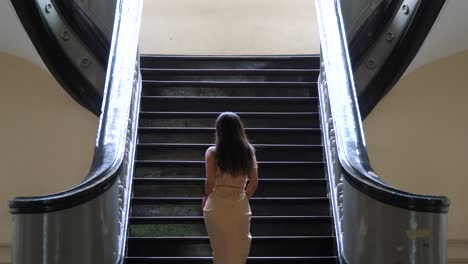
92, 35
88, 223
78, 65
359, 196
350, 134
111, 139
386, 44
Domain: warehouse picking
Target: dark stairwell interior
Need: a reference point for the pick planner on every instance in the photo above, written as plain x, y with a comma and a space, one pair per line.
276, 97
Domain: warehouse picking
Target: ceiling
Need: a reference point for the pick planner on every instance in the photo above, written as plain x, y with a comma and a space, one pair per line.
448, 36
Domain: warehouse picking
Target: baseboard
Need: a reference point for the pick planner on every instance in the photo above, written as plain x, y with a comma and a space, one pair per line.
457, 251
5, 253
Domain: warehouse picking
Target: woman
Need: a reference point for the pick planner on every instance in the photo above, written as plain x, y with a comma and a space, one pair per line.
226, 207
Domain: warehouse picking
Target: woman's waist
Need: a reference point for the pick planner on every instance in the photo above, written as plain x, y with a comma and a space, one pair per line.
229, 187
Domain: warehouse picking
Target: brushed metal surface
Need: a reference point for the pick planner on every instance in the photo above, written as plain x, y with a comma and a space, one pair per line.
93, 230
372, 224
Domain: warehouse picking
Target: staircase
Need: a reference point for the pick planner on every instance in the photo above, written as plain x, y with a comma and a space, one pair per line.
276, 97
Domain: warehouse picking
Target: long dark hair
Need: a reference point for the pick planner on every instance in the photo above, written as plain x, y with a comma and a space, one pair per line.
234, 153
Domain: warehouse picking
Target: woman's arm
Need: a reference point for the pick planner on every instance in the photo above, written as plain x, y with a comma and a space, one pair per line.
253, 178
210, 167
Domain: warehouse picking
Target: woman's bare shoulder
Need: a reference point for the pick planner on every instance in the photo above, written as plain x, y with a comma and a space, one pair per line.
210, 151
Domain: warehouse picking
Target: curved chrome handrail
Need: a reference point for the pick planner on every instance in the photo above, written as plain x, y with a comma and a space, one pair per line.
88, 223
112, 131
363, 204
350, 136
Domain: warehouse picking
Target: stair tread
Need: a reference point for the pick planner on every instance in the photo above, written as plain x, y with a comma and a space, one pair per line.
204, 145
270, 258
201, 162
232, 57
249, 258
233, 82
200, 218
195, 238
149, 84
267, 129
239, 98
203, 180
246, 114
229, 70
252, 199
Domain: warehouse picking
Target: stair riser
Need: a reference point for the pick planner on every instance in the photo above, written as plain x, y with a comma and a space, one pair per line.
208, 138
229, 63
318, 260
288, 172
257, 229
266, 189
275, 122
271, 247
314, 154
188, 105
231, 76
154, 90
292, 208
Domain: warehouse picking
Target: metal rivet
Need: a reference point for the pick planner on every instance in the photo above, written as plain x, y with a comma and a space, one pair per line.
48, 8
65, 35
85, 62
371, 64
390, 36
405, 9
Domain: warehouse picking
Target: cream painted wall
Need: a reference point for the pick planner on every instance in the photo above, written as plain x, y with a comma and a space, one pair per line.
223, 27
47, 139
417, 139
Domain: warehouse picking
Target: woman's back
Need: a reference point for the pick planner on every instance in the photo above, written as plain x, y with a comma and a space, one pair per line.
226, 179
226, 207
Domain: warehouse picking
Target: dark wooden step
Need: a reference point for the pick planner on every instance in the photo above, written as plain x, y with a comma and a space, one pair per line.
225, 88
194, 187
250, 260
259, 226
247, 75
223, 62
261, 246
250, 119
260, 206
229, 103
206, 135
196, 169
266, 152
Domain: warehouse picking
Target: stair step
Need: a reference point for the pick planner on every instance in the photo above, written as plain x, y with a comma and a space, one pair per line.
223, 62
276, 98
246, 75
250, 119
259, 226
194, 187
224, 88
250, 260
261, 246
266, 152
206, 135
196, 169
229, 103
260, 206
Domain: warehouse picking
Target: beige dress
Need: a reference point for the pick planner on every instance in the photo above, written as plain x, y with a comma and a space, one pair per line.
227, 218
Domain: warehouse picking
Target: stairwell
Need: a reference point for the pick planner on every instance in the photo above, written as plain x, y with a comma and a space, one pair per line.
276, 97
